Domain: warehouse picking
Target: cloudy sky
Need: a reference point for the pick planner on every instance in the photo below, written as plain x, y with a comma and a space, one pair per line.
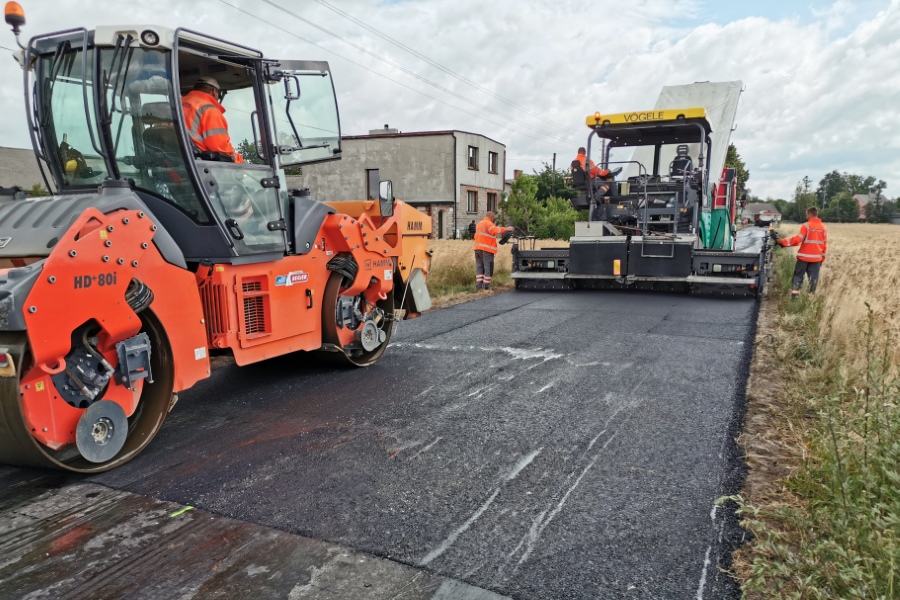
822, 77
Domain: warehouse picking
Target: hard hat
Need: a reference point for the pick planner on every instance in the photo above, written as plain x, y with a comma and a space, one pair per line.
71, 166
210, 81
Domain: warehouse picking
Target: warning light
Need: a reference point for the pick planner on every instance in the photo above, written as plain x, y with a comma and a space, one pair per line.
597, 116
15, 16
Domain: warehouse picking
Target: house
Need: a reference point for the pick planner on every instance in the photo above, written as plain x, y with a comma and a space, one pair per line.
453, 176
861, 201
19, 168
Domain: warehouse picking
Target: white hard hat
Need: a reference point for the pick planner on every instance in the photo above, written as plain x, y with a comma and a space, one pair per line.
210, 81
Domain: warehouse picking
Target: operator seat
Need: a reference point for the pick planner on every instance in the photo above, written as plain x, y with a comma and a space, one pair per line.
579, 177
682, 165
161, 138
163, 158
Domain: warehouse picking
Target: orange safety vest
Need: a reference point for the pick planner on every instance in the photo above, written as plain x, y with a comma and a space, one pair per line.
485, 236
206, 124
812, 239
583, 161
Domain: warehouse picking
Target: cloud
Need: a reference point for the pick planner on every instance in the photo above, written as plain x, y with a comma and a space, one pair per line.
820, 91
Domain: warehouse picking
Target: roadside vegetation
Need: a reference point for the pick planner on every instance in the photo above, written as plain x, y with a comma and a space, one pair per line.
452, 276
822, 430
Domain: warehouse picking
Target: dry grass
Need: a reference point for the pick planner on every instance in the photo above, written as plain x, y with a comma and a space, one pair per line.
810, 361
862, 267
452, 276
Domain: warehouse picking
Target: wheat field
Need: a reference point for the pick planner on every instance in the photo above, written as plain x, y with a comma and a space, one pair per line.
862, 267
453, 264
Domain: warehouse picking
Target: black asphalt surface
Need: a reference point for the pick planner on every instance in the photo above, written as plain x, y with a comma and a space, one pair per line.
538, 445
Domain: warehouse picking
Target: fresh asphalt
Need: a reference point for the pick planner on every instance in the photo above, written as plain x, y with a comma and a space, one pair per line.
538, 445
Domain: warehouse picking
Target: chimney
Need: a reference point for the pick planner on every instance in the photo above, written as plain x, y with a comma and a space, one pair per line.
387, 129
516, 173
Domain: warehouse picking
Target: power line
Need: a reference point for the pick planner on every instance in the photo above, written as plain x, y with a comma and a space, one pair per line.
10, 49
437, 65
412, 73
412, 89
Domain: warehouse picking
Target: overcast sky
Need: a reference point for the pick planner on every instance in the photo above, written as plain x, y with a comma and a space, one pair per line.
822, 77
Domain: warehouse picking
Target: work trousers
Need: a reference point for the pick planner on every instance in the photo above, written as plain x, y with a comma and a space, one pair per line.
484, 269
810, 269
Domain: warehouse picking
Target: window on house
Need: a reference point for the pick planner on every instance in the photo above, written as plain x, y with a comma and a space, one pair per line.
373, 180
472, 205
473, 158
492, 201
492, 162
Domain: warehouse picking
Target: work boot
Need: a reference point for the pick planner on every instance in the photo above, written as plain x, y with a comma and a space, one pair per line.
478, 285
486, 288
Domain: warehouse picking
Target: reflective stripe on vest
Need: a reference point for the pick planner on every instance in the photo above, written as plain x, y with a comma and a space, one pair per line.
215, 138
812, 245
483, 239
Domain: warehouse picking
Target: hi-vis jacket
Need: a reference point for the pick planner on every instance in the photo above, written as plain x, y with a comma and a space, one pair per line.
583, 161
812, 239
486, 236
206, 124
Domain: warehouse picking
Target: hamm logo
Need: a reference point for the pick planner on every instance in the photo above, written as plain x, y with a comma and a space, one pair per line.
4, 242
415, 226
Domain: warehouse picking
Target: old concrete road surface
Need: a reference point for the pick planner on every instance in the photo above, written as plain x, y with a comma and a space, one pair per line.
529, 445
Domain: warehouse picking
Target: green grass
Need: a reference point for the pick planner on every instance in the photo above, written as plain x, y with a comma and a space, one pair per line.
842, 538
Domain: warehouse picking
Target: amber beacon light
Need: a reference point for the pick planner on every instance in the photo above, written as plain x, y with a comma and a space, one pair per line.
15, 16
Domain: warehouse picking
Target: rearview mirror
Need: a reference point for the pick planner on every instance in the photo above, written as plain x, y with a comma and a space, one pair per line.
386, 198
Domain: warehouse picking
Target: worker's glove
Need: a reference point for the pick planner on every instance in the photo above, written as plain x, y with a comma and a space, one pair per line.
773, 234
505, 237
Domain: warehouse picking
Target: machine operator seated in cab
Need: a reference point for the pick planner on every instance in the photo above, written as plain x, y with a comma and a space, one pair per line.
601, 179
205, 119
580, 168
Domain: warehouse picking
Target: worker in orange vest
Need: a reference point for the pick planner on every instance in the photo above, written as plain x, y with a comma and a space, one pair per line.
813, 242
599, 178
589, 168
205, 120
485, 248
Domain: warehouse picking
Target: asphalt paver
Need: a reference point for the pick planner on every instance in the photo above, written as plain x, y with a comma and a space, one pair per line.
532, 444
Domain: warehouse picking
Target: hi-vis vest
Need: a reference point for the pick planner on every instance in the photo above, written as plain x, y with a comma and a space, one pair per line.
583, 161
812, 239
485, 236
206, 124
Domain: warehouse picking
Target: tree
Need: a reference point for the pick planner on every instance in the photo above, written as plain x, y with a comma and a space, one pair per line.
556, 220
831, 185
842, 209
246, 149
803, 199
857, 184
552, 183
522, 206
733, 160
552, 218
880, 210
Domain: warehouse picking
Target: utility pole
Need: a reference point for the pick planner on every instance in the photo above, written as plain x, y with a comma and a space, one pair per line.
553, 177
